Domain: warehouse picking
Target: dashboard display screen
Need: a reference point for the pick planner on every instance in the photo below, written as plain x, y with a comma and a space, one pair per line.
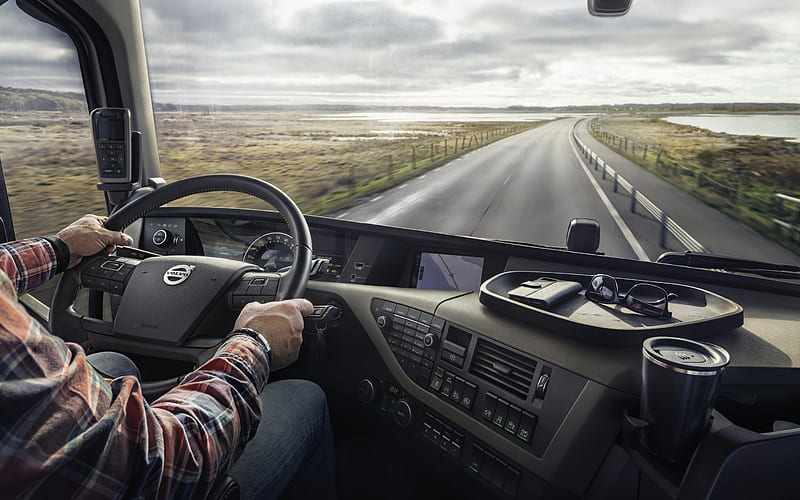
442, 271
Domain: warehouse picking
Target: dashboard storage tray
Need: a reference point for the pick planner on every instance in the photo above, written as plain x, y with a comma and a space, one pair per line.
695, 312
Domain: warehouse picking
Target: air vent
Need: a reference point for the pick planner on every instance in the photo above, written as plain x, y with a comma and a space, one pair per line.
503, 368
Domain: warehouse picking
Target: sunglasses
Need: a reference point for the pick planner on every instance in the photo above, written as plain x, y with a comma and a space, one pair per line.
643, 298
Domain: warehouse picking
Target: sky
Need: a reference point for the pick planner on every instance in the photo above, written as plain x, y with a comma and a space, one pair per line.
440, 52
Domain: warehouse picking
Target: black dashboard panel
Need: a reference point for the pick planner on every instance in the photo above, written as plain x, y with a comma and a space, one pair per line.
524, 410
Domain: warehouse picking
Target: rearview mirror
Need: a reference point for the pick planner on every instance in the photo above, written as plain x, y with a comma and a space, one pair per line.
609, 8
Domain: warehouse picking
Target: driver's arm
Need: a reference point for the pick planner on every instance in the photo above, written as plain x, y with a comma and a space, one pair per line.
33, 261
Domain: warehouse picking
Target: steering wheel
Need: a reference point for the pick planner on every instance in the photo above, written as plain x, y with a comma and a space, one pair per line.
177, 307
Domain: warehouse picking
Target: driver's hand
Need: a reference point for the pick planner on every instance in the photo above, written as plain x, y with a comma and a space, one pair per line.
281, 323
87, 236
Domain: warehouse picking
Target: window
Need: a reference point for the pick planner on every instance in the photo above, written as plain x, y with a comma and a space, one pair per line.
45, 134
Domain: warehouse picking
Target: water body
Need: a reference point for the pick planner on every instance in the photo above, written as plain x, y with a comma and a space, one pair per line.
787, 126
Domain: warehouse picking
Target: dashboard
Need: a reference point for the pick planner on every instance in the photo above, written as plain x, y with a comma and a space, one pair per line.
526, 412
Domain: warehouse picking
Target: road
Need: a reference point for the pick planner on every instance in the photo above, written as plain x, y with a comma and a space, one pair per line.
529, 186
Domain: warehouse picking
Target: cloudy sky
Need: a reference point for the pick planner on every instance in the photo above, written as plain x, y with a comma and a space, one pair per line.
442, 52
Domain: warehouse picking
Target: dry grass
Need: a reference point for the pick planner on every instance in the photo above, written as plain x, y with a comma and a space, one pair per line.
323, 164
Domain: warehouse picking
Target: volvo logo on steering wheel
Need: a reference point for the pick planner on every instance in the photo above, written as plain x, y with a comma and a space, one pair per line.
176, 275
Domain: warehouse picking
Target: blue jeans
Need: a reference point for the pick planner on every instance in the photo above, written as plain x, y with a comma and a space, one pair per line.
292, 454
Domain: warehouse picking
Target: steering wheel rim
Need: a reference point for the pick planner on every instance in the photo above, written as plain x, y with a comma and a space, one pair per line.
66, 323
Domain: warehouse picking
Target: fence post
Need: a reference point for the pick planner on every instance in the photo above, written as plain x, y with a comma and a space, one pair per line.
604, 171
658, 158
353, 179
644, 155
700, 179
663, 239
413, 157
433, 152
445, 147
390, 167
616, 181
634, 191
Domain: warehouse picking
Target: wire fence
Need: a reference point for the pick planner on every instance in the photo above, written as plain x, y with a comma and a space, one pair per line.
638, 201
779, 209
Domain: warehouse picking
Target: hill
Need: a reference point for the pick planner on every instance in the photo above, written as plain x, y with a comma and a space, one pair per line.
15, 100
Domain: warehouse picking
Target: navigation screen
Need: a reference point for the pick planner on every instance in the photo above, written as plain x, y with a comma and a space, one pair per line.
442, 271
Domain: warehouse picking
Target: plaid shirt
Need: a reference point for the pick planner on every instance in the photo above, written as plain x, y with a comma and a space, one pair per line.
66, 432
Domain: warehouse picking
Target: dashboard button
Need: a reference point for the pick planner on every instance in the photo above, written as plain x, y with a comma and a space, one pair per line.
436, 383
500, 413
444, 444
401, 310
489, 406
437, 436
487, 468
388, 307
512, 482
437, 323
453, 358
439, 372
468, 397
458, 390
455, 450
526, 426
447, 385
427, 431
477, 459
413, 313
541, 385
512, 420
377, 307
499, 474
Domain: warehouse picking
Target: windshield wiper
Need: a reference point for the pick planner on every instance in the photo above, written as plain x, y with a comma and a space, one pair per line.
735, 264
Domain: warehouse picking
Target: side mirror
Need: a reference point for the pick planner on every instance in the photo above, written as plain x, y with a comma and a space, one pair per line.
609, 8
583, 235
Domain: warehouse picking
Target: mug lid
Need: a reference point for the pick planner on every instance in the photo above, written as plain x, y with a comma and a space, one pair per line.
686, 354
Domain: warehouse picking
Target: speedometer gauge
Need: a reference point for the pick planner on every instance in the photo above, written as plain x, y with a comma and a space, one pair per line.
272, 251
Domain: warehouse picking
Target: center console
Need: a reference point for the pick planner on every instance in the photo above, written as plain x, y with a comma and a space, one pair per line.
514, 395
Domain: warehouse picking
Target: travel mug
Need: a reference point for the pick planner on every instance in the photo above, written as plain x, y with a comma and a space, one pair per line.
680, 381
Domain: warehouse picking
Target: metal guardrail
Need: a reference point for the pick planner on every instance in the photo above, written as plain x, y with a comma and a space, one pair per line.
793, 224
668, 225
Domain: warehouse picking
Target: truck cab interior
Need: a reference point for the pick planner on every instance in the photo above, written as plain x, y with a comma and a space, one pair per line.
454, 365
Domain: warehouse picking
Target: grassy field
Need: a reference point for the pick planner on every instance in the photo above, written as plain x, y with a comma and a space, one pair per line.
738, 175
324, 165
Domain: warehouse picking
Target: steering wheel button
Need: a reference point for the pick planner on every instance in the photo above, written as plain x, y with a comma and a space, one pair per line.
88, 281
258, 282
254, 290
271, 287
111, 265
116, 287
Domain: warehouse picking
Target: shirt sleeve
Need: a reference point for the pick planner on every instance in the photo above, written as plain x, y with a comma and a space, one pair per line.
64, 428
28, 263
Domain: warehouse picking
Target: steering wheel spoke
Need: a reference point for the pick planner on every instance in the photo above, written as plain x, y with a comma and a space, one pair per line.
107, 273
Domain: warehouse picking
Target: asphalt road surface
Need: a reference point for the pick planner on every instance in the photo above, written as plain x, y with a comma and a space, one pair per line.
527, 188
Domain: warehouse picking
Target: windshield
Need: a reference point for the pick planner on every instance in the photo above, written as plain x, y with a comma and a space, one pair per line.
675, 127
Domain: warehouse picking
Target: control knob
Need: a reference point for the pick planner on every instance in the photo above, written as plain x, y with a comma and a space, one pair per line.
162, 238
402, 413
383, 321
366, 391
430, 340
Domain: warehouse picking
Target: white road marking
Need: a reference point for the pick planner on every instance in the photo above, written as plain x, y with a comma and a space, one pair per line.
422, 176
373, 200
505, 182
342, 215
623, 227
401, 186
